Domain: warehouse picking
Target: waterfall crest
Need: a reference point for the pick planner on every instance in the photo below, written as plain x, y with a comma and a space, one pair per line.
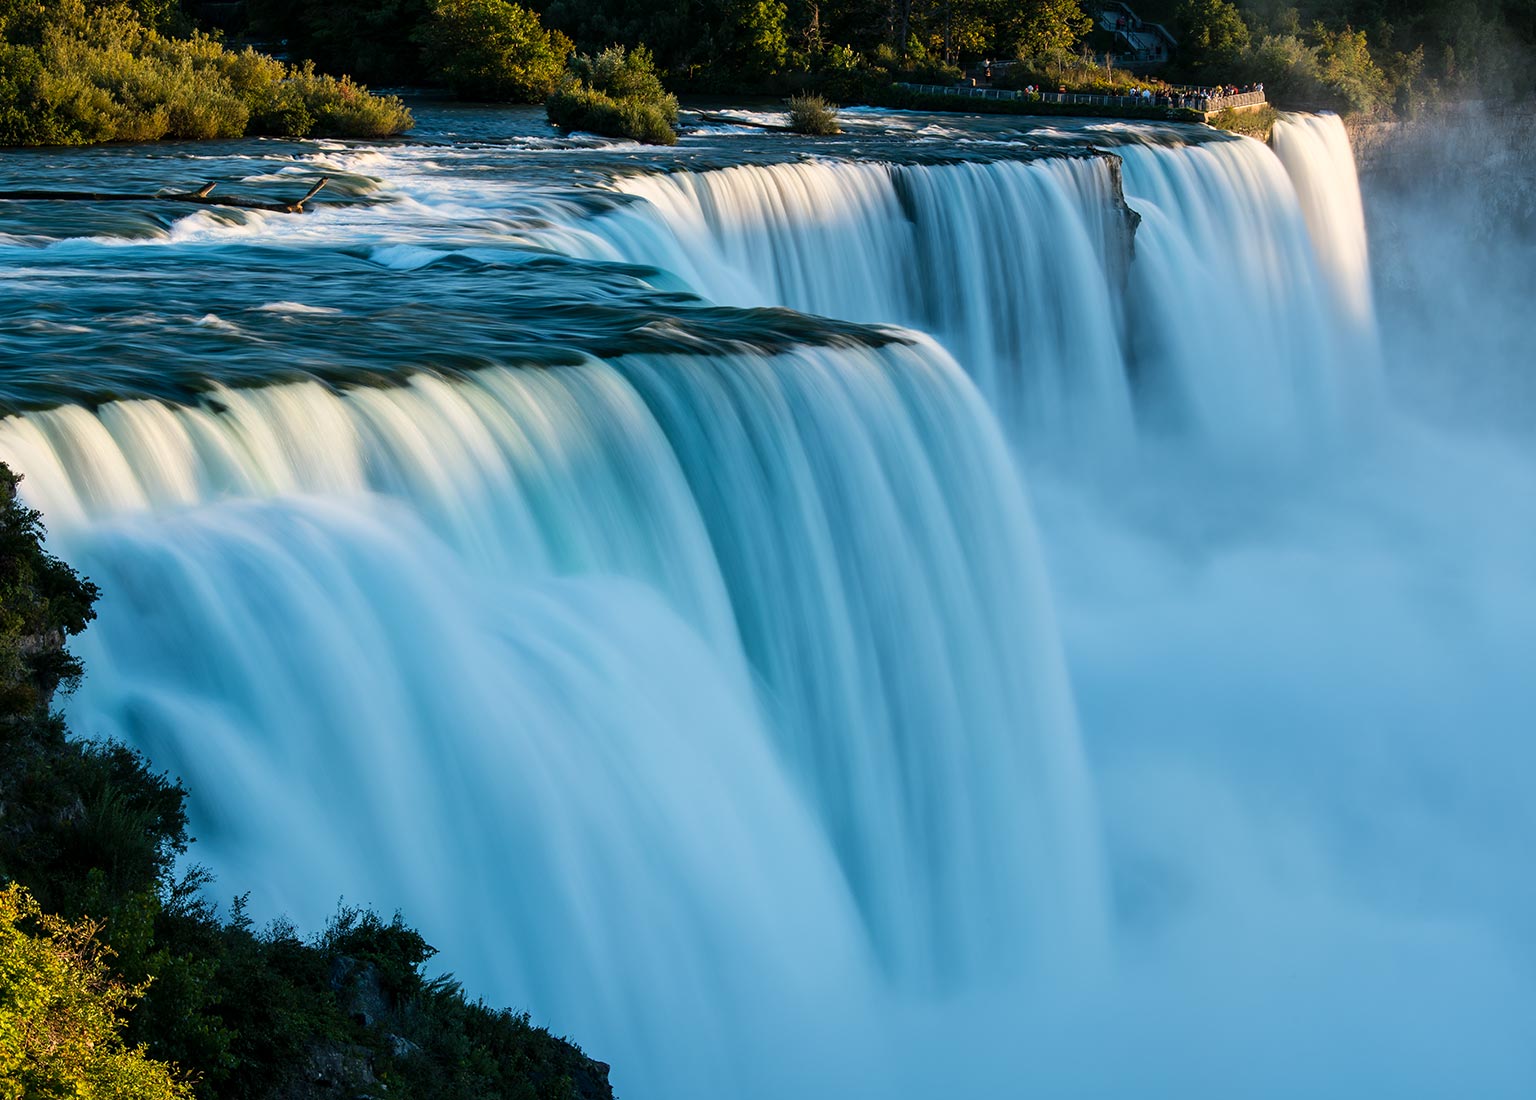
1014, 265
1211, 323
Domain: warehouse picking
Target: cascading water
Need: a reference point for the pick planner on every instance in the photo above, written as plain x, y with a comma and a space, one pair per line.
1014, 264
690, 672
1238, 337
878, 564
1316, 154
1020, 267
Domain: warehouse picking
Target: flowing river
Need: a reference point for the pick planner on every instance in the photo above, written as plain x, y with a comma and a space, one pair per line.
957, 608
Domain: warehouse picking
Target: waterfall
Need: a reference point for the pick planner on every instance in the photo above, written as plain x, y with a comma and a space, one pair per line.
632, 577
1016, 266
1316, 154
587, 666
1235, 333
1218, 329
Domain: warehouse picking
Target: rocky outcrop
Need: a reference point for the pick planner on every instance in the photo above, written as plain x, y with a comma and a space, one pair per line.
398, 1040
335, 1071
1123, 250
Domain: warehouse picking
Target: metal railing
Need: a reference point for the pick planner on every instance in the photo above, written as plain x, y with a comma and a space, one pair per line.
1195, 100
1241, 99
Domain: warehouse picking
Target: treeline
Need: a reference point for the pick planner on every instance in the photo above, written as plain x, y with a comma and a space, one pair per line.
720, 45
74, 73
783, 45
1350, 55
119, 977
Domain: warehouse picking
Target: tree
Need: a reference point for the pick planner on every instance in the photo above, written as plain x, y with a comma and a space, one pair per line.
1346, 67
617, 93
755, 37
1212, 35
1039, 28
493, 50
61, 1014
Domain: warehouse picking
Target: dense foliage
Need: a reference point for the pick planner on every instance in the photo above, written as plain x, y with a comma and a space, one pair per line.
731, 44
616, 93
61, 1014
87, 70
492, 49
1360, 55
1351, 55
73, 74
94, 835
42, 601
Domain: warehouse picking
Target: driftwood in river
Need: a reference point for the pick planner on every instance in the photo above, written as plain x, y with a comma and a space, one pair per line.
203, 196
711, 116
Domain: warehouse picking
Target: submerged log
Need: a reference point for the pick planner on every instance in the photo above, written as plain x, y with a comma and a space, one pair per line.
711, 116
203, 196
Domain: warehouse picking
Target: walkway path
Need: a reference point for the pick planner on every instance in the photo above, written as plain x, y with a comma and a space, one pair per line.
1206, 101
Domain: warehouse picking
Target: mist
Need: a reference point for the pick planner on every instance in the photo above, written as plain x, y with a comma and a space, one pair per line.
1305, 693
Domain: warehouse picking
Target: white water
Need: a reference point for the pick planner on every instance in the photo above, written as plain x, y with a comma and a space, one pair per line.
475, 636
1012, 264
1317, 157
714, 707
1020, 269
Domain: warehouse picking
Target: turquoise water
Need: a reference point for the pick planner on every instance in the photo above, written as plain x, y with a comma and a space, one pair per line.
954, 607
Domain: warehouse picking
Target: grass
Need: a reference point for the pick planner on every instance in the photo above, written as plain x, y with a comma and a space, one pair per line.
1255, 123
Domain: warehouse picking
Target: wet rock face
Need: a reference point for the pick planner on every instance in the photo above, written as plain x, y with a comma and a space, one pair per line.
1131, 221
394, 1033
359, 990
333, 1072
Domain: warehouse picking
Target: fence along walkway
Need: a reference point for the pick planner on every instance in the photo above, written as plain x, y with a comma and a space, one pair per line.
1207, 100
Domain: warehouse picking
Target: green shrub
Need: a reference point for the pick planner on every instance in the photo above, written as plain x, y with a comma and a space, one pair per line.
69, 76
574, 106
810, 114
624, 74
1255, 123
616, 93
341, 108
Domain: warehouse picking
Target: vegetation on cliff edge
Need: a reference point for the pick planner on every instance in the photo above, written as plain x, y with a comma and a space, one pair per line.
115, 964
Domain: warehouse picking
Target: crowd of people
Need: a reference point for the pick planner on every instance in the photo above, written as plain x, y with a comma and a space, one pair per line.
1195, 99
1188, 98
